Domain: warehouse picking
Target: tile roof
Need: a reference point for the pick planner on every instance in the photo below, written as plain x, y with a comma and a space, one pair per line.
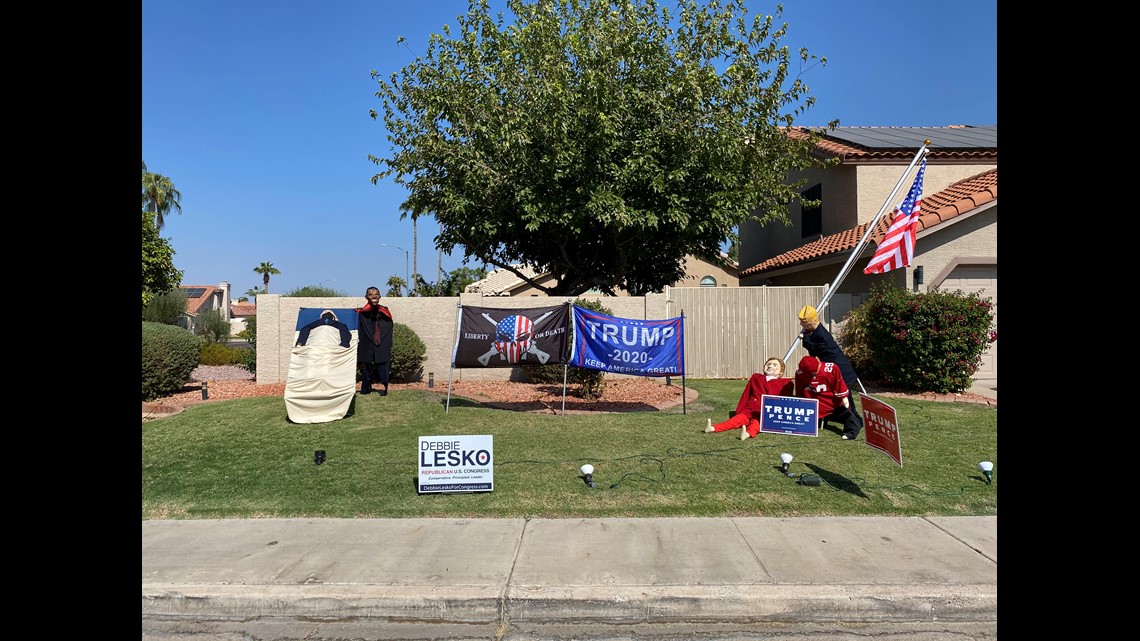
956, 200
242, 310
193, 304
499, 281
855, 144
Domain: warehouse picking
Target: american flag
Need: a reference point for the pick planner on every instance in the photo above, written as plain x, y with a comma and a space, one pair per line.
897, 247
512, 337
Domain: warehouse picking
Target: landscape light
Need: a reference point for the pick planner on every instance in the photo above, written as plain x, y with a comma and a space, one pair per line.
588, 474
987, 469
785, 459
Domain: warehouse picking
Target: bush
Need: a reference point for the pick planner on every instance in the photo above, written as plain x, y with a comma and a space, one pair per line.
315, 291
592, 381
247, 358
211, 326
169, 354
930, 342
250, 331
217, 354
166, 308
408, 355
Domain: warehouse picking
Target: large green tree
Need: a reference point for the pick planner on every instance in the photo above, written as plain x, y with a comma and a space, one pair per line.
158, 273
159, 197
601, 141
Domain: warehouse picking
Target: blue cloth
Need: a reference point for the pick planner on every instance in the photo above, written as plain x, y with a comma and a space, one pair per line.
345, 335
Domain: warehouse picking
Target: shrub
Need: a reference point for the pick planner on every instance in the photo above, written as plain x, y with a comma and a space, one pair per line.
211, 326
250, 331
217, 354
169, 354
592, 381
408, 355
247, 358
930, 342
315, 291
166, 308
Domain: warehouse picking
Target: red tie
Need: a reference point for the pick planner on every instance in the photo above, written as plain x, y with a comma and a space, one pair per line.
376, 334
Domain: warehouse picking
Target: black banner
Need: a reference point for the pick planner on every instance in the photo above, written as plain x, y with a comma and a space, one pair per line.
490, 337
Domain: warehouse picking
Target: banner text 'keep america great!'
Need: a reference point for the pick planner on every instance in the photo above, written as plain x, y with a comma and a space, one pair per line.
628, 346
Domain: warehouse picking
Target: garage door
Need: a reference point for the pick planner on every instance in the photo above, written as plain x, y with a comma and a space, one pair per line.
981, 279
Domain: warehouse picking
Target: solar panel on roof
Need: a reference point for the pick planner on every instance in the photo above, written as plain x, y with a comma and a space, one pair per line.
195, 292
983, 137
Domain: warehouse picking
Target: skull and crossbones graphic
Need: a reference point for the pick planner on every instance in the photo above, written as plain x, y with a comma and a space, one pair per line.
514, 340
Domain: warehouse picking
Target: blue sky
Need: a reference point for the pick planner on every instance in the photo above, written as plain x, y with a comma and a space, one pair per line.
257, 111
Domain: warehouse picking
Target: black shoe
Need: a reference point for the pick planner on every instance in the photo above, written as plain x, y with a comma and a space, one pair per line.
850, 437
365, 392
382, 392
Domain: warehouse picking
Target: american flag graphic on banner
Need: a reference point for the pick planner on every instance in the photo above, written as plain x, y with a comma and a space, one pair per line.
489, 337
512, 337
897, 247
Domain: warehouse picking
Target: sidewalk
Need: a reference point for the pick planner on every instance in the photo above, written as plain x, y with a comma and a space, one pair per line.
499, 572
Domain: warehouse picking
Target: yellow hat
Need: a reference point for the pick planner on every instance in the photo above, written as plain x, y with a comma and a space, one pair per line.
807, 312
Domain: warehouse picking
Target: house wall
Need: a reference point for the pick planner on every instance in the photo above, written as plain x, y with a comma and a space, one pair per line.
696, 269
851, 195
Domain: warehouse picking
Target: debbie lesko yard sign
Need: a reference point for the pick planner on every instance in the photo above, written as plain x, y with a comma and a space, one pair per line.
456, 464
881, 428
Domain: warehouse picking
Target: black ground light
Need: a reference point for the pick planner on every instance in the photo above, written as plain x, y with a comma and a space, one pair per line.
785, 461
588, 474
987, 469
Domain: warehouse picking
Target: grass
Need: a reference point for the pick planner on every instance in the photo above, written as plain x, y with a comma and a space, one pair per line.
244, 459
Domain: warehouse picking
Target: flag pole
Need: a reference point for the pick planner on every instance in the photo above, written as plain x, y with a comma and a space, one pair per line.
863, 241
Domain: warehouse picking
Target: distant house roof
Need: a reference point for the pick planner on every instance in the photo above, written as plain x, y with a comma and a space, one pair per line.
196, 296
956, 200
500, 281
242, 310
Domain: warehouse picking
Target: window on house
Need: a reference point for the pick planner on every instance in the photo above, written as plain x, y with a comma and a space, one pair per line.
708, 281
811, 218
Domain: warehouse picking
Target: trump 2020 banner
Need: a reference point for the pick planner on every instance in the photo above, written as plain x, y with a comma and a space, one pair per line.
628, 346
489, 337
789, 415
881, 427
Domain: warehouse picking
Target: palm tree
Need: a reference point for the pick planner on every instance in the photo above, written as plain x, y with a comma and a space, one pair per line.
265, 269
396, 286
159, 196
415, 245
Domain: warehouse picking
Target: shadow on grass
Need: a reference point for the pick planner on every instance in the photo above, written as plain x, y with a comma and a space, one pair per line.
837, 481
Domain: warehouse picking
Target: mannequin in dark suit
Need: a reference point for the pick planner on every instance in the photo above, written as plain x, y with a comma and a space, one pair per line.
374, 348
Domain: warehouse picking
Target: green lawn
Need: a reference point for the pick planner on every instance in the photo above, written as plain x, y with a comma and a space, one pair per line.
244, 459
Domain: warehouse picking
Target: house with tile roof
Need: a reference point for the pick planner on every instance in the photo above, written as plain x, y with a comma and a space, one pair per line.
200, 298
956, 241
698, 273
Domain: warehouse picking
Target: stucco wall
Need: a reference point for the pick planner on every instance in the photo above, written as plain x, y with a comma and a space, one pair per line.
851, 195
